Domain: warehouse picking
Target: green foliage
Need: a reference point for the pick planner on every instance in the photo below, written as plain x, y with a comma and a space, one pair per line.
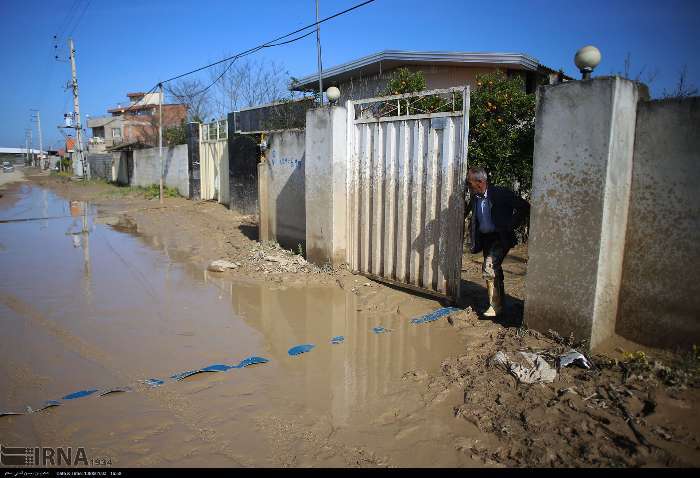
175, 135
502, 130
153, 192
403, 81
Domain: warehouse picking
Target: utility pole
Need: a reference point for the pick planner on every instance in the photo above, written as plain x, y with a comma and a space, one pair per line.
318, 51
76, 111
160, 138
41, 138
28, 133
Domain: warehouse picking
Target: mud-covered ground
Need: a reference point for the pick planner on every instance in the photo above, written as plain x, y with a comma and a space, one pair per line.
634, 407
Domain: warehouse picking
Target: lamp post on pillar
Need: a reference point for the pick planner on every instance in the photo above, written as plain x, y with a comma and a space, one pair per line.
586, 59
333, 93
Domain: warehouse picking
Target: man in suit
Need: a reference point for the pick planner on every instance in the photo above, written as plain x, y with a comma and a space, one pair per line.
495, 214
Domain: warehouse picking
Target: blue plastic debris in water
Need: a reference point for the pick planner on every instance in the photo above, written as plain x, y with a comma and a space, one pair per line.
153, 382
338, 339
217, 367
435, 315
79, 394
47, 404
114, 390
182, 375
300, 349
251, 361
7, 414
380, 330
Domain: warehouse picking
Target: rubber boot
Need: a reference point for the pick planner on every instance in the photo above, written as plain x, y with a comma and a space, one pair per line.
495, 292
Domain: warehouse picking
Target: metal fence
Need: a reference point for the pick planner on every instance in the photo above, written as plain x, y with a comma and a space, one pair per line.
406, 188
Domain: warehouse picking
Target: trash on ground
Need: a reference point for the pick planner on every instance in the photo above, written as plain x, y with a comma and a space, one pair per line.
573, 357
222, 265
114, 390
270, 257
300, 349
251, 361
337, 340
79, 394
527, 367
435, 315
153, 382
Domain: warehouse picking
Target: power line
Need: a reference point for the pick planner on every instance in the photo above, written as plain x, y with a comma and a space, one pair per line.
87, 5
67, 20
242, 55
268, 44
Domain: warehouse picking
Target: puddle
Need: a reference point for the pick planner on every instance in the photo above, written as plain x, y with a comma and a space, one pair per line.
86, 302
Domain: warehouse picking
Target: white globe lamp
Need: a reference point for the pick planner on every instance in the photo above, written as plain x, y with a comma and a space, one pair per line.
586, 59
333, 93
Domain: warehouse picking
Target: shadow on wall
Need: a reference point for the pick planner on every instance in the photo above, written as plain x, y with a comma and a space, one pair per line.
244, 155
290, 211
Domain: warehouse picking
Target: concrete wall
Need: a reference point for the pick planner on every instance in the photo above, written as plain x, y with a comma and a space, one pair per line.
584, 141
101, 166
660, 292
615, 221
147, 168
326, 185
281, 178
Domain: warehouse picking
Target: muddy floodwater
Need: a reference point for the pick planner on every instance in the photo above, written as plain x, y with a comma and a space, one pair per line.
86, 303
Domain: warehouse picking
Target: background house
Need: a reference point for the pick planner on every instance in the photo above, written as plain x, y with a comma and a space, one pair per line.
133, 123
368, 76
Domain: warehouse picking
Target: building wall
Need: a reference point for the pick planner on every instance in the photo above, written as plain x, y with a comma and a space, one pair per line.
282, 202
145, 128
101, 166
660, 293
147, 168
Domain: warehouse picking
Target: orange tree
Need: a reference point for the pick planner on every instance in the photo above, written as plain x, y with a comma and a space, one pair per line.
502, 130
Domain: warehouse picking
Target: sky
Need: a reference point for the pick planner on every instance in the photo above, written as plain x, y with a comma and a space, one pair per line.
128, 45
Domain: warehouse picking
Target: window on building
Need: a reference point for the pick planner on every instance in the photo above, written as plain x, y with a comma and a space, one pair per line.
116, 133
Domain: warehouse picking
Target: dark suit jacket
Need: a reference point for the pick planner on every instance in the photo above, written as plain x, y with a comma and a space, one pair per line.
508, 211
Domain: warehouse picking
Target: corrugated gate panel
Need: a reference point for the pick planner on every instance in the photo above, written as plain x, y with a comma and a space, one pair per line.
406, 197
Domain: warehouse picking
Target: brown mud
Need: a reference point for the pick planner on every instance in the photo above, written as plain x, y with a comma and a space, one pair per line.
145, 305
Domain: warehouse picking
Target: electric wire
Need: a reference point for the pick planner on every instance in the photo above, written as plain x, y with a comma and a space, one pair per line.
87, 5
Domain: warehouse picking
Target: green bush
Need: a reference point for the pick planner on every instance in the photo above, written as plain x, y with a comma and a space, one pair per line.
501, 122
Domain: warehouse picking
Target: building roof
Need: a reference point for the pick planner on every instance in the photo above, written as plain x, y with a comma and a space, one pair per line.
389, 59
19, 151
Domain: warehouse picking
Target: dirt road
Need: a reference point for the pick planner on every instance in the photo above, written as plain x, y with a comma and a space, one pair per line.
125, 295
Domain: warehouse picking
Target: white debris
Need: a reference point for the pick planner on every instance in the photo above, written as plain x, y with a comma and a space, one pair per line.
573, 357
222, 265
527, 367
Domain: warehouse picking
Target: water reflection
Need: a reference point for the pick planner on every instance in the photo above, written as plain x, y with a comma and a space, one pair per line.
80, 230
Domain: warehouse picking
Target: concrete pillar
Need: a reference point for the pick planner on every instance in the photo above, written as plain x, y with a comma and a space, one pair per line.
325, 178
584, 142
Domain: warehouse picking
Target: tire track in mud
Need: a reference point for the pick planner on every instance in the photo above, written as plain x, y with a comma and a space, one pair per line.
177, 404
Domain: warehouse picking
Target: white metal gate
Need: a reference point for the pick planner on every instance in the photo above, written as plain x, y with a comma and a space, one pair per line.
406, 180
213, 161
